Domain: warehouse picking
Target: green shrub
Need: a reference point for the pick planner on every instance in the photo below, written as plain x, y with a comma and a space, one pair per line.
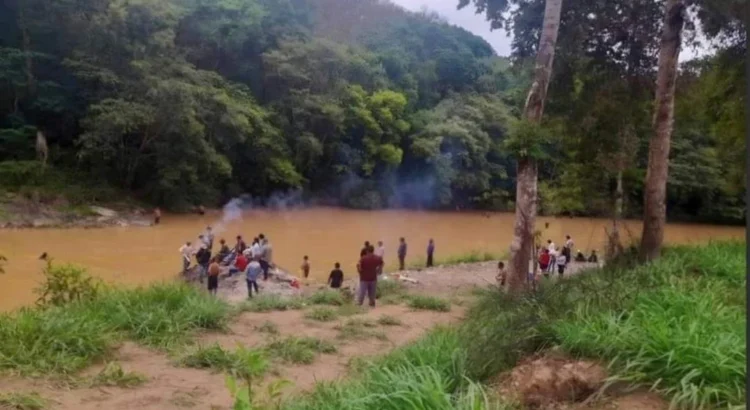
359, 329
299, 350
390, 291
113, 375
22, 401
247, 364
425, 302
269, 303
677, 323
65, 339
64, 284
327, 297
321, 314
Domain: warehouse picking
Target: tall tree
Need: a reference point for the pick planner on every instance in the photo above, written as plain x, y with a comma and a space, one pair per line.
655, 196
521, 249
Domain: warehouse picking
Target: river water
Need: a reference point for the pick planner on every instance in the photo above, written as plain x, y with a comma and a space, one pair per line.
137, 255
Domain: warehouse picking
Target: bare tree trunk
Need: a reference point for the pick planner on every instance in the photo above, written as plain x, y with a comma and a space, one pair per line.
521, 249
655, 210
614, 243
26, 44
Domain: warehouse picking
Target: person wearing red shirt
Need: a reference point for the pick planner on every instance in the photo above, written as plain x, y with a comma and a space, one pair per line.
544, 260
241, 262
368, 267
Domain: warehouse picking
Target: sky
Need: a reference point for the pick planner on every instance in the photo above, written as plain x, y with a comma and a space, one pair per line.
475, 23
465, 18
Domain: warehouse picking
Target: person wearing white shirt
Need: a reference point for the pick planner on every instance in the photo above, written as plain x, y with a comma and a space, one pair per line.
186, 251
255, 248
550, 245
561, 260
380, 251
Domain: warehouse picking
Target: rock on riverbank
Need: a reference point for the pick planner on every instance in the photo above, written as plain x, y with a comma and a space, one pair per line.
20, 213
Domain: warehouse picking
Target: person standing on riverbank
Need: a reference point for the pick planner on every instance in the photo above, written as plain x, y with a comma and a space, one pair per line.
561, 261
266, 257
213, 275
203, 257
157, 216
209, 236
252, 272
305, 267
336, 278
380, 252
186, 251
544, 260
363, 252
368, 277
401, 253
240, 246
430, 252
223, 249
568, 248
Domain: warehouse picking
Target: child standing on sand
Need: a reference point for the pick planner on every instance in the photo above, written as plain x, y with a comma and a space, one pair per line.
502, 274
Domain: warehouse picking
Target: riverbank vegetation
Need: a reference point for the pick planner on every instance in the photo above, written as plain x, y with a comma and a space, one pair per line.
189, 102
676, 326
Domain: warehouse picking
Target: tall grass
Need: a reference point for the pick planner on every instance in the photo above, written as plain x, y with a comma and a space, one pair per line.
677, 324
427, 375
22, 401
65, 339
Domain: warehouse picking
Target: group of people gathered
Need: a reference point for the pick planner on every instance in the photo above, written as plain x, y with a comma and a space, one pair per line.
552, 256
252, 260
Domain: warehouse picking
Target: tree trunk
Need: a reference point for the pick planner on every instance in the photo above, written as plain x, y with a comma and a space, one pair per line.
655, 210
526, 181
26, 45
614, 245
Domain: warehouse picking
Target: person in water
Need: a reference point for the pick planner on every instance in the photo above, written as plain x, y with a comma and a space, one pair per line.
336, 278
430, 252
368, 277
157, 216
593, 258
213, 275
252, 272
186, 251
401, 253
305, 267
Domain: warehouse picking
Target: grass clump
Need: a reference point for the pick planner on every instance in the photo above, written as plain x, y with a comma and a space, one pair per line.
242, 362
429, 374
65, 339
322, 314
299, 350
113, 375
268, 327
390, 291
425, 302
387, 320
327, 297
677, 324
22, 401
270, 303
351, 309
359, 329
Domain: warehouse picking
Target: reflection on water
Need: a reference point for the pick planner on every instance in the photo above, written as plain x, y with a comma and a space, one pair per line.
327, 235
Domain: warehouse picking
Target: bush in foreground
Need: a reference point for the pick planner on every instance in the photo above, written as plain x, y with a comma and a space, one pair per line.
65, 339
677, 324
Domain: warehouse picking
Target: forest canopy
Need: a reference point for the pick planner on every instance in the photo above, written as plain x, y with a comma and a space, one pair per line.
358, 103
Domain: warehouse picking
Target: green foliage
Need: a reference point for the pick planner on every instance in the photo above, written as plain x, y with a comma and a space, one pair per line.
321, 314
359, 329
64, 284
299, 350
268, 303
65, 339
268, 327
390, 291
387, 320
246, 364
113, 375
676, 324
426, 302
329, 297
22, 401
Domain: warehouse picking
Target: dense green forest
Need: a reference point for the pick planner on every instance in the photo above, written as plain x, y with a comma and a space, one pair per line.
360, 103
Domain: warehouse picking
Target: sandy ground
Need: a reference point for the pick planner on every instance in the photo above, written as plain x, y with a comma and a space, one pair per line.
170, 386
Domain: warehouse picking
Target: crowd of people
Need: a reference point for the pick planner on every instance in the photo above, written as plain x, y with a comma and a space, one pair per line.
551, 258
257, 259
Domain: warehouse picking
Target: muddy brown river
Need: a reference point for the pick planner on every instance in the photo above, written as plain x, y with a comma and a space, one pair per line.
137, 255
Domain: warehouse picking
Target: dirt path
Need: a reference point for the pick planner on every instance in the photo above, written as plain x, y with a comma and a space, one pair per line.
172, 387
